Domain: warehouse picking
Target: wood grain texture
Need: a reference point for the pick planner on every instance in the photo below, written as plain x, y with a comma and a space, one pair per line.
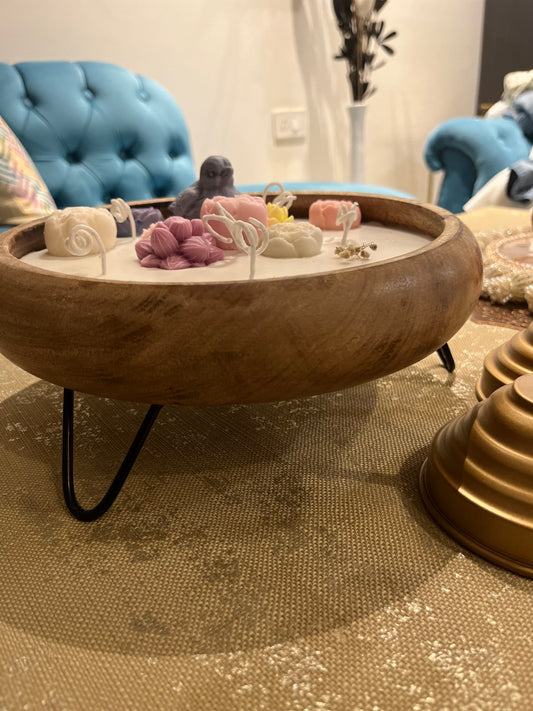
254, 341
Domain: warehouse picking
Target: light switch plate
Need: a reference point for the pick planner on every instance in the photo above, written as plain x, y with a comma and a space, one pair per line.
289, 124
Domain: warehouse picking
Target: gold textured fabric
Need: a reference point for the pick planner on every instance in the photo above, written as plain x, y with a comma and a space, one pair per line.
269, 557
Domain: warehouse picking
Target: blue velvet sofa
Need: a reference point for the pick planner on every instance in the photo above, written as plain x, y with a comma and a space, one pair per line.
96, 131
471, 151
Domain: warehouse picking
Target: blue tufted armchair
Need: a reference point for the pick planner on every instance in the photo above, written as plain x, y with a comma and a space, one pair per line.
471, 151
97, 131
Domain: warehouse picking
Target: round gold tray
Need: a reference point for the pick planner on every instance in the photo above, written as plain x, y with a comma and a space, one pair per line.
252, 341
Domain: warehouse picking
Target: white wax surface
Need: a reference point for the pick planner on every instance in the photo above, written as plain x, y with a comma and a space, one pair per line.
123, 265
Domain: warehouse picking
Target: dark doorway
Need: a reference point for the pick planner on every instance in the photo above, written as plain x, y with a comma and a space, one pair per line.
507, 46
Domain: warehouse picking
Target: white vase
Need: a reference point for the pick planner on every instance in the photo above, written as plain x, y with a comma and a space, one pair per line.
356, 114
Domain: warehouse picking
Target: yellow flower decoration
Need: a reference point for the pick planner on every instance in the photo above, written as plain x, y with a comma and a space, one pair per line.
278, 214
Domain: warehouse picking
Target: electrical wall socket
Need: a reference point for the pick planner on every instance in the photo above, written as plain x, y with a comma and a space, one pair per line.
289, 124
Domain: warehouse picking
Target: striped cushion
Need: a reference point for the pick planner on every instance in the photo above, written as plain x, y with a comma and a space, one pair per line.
23, 194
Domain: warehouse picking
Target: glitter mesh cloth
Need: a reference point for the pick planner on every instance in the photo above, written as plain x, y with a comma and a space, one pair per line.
275, 556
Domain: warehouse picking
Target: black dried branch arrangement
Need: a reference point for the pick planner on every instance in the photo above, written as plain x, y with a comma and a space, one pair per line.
363, 37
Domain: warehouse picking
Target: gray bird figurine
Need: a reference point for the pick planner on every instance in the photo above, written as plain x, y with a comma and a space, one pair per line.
216, 178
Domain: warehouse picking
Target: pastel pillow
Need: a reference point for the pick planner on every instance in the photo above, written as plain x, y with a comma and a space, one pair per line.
23, 194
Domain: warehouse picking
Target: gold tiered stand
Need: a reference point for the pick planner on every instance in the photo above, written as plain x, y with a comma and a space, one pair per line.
478, 480
506, 363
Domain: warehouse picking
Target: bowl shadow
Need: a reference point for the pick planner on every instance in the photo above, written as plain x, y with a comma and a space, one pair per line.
239, 527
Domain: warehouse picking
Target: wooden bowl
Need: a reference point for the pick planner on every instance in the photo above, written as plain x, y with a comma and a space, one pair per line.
241, 342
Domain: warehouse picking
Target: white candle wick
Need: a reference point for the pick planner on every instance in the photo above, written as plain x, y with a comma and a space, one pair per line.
121, 211
240, 232
224, 217
81, 240
285, 197
345, 217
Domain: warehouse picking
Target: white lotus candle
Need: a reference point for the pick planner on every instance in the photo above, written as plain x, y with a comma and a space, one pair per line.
60, 224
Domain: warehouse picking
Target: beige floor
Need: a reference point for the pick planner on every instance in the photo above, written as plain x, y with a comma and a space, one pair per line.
267, 557
487, 219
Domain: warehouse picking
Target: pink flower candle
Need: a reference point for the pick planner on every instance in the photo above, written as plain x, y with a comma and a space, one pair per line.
323, 214
241, 207
177, 243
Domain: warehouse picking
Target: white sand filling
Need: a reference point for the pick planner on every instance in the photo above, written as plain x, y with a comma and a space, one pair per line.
123, 265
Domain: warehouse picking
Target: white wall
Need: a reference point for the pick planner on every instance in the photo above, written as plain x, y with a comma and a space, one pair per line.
230, 63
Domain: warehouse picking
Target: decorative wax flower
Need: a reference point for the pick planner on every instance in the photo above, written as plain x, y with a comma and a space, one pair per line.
196, 249
277, 213
174, 262
151, 261
143, 217
293, 239
180, 227
209, 238
177, 243
162, 241
143, 248
147, 233
215, 255
241, 207
323, 214
197, 226
60, 224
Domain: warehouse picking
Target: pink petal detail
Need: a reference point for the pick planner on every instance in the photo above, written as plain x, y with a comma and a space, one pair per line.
143, 248
163, 242
151, 261
241, 207
196, 249
209, 238
215, 255
197, 226
175, 262
147, 233
180, 227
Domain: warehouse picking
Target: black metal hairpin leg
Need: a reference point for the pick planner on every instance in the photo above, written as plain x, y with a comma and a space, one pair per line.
68, 461
446, 357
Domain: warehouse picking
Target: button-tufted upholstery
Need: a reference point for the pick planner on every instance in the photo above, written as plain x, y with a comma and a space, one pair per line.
471, 151
96, 131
